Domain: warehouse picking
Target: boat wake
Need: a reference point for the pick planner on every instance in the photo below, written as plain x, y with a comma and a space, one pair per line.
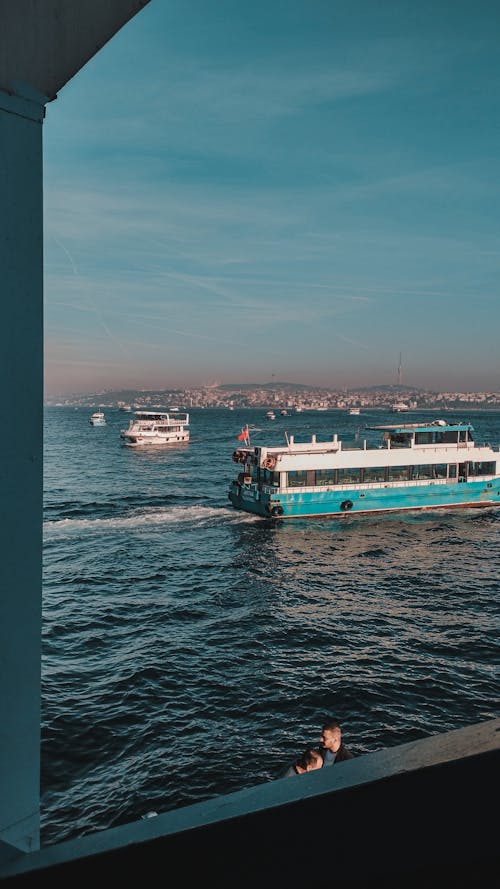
192, 515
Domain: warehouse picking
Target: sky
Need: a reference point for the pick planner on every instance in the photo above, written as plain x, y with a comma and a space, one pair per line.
289, 190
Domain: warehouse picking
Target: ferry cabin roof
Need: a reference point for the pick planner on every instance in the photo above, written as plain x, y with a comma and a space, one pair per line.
408, 444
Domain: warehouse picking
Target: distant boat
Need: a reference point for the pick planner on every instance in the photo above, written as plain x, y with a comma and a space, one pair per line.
97, 419
399, 407
354, 411
156, 428
270, 415
284, 412
126, 408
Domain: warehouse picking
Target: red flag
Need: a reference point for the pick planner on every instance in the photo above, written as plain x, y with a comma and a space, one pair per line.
243, 434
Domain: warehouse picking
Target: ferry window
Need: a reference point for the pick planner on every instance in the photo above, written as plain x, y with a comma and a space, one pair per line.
326, 477
349, 476
425, 471
400, 440
297, 478
483, 468
449, 437
462, 435
452, 470
374, 474
439, 470
398, 473
423, 438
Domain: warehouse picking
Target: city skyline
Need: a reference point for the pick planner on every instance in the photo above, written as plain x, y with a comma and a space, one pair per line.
278, 393
288, 191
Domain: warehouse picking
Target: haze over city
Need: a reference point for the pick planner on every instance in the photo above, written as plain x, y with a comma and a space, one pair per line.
299, 191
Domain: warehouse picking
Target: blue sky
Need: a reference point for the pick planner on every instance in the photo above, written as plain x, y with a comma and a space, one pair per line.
294, 190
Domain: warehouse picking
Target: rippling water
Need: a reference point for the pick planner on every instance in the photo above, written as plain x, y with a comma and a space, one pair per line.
190, 650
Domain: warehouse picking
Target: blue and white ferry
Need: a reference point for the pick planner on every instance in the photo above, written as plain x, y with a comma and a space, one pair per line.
411, 466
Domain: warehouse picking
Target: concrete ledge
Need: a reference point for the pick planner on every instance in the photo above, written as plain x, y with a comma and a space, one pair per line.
413, 812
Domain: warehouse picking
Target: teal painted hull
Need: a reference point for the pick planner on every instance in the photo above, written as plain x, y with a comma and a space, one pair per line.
362, 501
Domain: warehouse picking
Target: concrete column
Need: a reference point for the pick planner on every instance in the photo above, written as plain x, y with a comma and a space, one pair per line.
21, 466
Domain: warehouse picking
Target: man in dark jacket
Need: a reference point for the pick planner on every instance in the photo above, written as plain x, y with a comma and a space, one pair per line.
332, 748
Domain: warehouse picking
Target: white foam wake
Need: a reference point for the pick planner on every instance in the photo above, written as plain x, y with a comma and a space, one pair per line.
194, 515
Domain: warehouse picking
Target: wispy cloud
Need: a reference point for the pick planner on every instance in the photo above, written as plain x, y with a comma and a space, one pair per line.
329, 178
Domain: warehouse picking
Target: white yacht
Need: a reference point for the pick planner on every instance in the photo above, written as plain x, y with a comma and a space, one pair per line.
156, 428
97, 419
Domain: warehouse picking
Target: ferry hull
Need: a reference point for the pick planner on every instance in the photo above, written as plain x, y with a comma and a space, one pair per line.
152, 441
363, 501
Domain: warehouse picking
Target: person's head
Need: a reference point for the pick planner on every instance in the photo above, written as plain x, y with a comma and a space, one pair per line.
331, 736
311, 759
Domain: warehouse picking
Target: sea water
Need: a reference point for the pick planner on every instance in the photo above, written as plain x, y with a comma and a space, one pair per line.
190, 650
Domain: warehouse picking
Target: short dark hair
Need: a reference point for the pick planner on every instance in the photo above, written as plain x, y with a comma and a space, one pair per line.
308, 758
330, 725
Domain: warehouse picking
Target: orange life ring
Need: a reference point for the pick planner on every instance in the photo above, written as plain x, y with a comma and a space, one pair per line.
270, 462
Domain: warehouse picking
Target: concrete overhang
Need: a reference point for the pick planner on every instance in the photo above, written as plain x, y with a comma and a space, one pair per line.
44, 43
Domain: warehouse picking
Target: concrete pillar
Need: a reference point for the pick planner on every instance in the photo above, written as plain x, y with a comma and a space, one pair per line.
21, 466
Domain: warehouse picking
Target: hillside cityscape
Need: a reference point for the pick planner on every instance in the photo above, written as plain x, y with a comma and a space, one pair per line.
282, 395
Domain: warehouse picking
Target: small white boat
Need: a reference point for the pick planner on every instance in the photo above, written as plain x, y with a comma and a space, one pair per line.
270, 415
354, 411
156, 428
400, 407
284, 412
97, 419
